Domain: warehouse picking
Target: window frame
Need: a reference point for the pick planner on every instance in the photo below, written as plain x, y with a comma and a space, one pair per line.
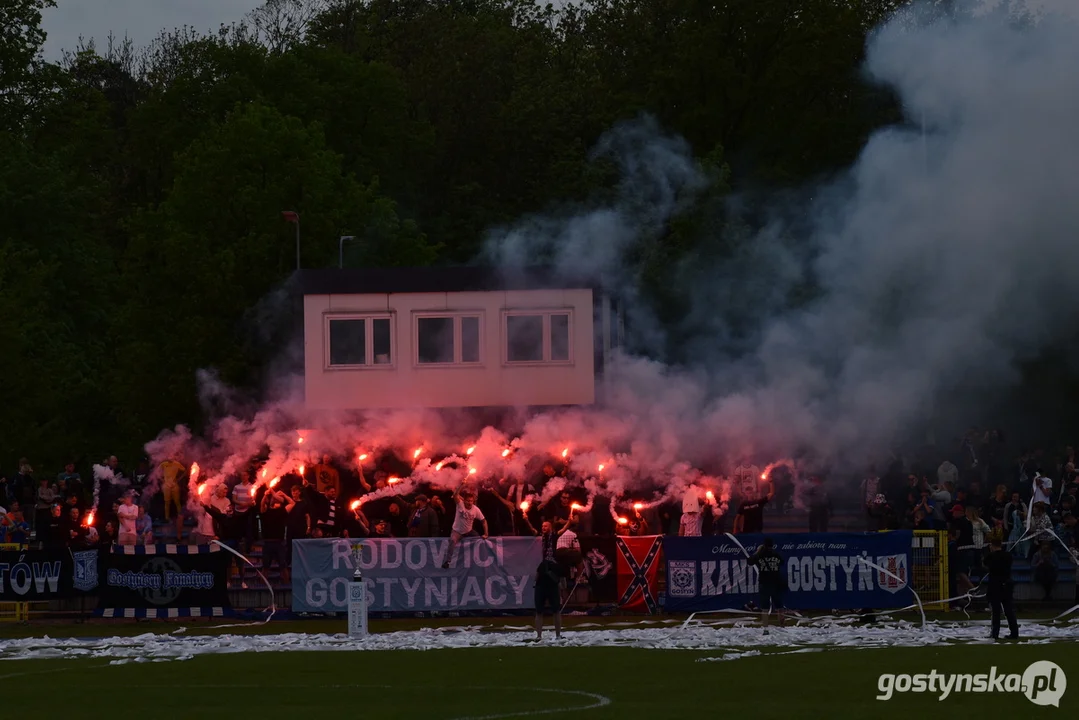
368, 337
545, 313
456, 316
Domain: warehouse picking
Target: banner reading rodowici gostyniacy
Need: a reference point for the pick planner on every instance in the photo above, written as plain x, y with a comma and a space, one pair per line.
821, 570
406, 574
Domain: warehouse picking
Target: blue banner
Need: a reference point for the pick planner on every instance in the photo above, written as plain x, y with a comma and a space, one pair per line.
406, 574
822, 571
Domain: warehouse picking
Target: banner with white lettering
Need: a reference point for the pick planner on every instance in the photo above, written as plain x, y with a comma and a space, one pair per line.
821, 571
406, 574
156, 581
32, 575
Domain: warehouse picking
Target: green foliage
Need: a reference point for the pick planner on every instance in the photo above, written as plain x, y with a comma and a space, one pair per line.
142, 189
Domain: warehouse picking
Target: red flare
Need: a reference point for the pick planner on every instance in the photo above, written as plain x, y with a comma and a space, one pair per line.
301, 469
574, 506
710, 496
417, 454
470, 450
194, 472
764, 476
524, 506
264, 472
89, 519
472, 471
393, 480
439, 465
601, 467
363, 457
506, 452
355, 504
299, 440
201, 488
638, 506
565, 452
273, 483
623, 521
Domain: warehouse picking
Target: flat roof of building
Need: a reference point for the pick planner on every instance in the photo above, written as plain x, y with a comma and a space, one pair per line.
464, 278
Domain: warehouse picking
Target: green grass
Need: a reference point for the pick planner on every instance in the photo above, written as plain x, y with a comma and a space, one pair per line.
447, 684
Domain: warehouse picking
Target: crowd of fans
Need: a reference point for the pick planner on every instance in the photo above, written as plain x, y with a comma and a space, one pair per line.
1030, 500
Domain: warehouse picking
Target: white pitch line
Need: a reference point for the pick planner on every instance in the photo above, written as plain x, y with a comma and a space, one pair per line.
598, 700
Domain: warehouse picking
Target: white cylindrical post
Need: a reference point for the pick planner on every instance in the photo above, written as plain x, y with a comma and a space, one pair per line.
357, 599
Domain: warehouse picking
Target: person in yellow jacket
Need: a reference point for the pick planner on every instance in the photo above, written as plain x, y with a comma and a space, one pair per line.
171, 470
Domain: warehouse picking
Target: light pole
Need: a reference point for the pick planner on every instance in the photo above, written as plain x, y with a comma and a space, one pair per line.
294, 218
341, 249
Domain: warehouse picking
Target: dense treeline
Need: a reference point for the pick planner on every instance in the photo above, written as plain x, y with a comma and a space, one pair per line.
141, 189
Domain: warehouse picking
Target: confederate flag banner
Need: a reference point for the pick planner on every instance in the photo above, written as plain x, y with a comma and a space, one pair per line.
638, 569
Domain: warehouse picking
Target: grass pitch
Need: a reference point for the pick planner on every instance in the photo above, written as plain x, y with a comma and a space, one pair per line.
545, 680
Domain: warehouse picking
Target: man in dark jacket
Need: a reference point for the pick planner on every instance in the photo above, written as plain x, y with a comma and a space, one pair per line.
423, 520
769, 565
999, 590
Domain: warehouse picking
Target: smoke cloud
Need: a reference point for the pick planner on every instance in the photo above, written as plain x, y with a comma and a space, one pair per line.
935, 265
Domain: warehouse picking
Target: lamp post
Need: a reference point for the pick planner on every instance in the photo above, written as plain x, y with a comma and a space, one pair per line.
341, 249
294, 218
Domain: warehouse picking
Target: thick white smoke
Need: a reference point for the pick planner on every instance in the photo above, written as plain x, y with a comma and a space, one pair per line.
937, 263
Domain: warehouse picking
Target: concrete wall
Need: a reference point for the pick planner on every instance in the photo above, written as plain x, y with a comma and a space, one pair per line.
404, 382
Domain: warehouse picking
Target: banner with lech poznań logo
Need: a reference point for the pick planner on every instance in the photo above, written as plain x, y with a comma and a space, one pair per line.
159, 581
406, 574
820, 570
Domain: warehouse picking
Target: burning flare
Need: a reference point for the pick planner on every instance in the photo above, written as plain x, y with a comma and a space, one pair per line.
416, 455
202, 487
264, 470
565, 452
363, 457
355, 504
194, 472
273, 483
711, 497
470, 450
302, 468
506, 452
640, 506
439, 465
472, 471
623, 521
89, 519
574, 506
601, 466
299, 440
524, 506
393, 480
764, 476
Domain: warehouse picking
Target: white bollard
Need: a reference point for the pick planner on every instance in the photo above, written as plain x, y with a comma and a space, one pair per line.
357, 599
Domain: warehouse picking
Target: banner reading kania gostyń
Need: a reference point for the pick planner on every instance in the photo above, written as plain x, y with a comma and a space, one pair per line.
405, 574
821, 570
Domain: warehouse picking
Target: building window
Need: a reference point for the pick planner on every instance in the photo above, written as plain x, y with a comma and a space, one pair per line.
448, 340
537, 337
359, 341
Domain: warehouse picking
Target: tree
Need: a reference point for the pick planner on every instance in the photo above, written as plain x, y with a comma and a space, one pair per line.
21, 38
217, 245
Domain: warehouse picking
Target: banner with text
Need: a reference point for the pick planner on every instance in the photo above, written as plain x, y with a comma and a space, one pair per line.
35, 575
163, 580
406, 574
822, 571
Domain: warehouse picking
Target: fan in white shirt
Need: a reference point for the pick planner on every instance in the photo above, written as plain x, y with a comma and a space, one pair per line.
467, 516
128, 512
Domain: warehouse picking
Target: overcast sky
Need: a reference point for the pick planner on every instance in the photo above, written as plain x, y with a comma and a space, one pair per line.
139, 19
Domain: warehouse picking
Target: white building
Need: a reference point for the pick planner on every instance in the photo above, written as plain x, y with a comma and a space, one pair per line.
452, 337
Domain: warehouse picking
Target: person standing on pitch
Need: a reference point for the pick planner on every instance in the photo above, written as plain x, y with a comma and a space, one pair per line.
548, 582
999, 562
770, 569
